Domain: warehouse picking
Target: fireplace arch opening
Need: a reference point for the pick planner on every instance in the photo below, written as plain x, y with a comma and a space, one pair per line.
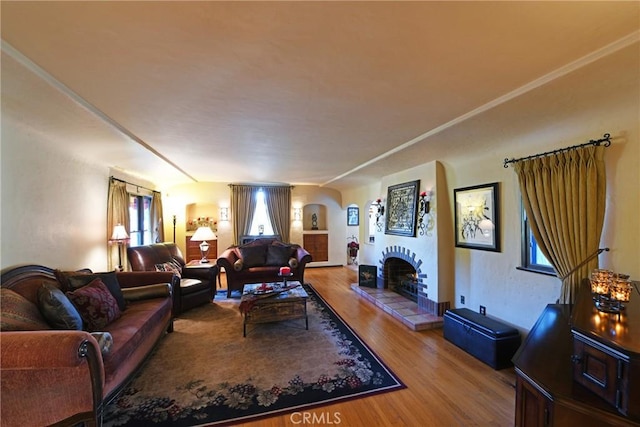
401, 277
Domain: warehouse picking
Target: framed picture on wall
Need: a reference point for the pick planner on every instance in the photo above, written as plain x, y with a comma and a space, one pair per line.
402, 203
477, 221
353, 215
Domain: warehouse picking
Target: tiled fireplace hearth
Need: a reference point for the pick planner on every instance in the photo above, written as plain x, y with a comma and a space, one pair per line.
402, 290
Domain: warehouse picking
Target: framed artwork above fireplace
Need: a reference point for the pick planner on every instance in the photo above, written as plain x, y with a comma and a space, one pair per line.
402, 209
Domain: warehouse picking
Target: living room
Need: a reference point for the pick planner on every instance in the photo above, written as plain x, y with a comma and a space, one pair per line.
56, 165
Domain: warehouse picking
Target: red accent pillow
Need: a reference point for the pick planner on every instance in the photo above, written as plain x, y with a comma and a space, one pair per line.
96, 305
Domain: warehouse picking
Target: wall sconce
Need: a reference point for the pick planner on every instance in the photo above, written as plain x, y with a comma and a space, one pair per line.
610, 290
379, 214
224, 214
423, 210
297, 214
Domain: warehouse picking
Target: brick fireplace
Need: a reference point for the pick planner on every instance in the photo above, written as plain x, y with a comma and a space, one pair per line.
400, 271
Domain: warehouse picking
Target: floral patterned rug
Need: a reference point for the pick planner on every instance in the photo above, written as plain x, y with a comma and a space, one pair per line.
206, 373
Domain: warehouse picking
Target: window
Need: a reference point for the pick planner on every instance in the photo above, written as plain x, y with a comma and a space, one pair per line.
140, 220
532, 257
261, 223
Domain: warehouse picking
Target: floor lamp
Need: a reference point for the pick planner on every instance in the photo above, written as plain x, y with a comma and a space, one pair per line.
119, 237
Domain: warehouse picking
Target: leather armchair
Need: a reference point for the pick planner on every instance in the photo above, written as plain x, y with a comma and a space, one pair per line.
197, 285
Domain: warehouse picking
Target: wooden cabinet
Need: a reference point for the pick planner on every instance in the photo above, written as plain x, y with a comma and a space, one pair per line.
193, 250
533, 407
606, 353
578, 366
601, 371
317, 244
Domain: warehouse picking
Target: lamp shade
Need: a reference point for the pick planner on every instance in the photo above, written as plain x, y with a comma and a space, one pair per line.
119, 233
202, 234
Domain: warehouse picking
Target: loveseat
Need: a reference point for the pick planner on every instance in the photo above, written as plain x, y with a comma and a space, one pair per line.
260, 261
50, 375
197, 284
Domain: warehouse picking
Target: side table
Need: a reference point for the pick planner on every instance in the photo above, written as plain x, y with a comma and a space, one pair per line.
197, 264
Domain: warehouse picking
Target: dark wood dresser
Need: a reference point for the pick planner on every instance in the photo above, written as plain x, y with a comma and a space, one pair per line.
580, 367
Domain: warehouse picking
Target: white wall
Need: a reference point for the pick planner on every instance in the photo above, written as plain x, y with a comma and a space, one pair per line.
54, 207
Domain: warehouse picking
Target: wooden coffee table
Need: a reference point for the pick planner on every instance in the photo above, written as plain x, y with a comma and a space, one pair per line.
265, 308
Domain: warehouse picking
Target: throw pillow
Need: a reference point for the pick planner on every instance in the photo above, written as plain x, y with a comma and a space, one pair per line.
96, 305
137, 293
293, 263
237, 266
169, 267
57, 309
253, 256
110, 279
105, 341
178, 266
278, 255
63, 277
18, 313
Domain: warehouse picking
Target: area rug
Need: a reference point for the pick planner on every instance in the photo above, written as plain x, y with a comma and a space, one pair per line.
206, 373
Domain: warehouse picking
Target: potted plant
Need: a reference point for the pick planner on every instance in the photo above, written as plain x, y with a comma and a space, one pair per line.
353, 247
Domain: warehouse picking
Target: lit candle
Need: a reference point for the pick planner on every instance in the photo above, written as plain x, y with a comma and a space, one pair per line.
285, 271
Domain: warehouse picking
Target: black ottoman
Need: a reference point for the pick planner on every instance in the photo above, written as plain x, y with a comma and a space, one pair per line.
487, 339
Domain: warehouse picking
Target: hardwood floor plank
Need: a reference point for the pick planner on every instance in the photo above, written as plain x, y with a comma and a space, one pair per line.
445, 385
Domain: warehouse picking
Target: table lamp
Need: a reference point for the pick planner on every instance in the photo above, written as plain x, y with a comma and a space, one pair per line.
203, 234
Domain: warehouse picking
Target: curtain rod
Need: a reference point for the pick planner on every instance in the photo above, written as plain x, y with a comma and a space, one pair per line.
262, 185
130, 183
606, 138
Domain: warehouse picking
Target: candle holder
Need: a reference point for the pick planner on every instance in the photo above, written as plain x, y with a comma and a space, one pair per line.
610, 291
284, 278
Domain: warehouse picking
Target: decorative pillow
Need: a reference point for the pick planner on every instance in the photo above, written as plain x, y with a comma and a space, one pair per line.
110, 279
253, 256
293, 262
96, 305
278, 255
105, 341
169, 267
178, 266
57, 309
237, 266
63, 277
18, 313
137, 293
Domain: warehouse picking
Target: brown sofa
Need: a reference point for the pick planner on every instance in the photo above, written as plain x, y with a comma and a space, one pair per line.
54, 376
197, 285
260, 261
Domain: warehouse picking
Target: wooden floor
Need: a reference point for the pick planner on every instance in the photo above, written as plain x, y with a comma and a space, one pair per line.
445, 385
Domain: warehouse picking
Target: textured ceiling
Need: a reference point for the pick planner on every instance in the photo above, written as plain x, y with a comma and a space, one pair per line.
327, 93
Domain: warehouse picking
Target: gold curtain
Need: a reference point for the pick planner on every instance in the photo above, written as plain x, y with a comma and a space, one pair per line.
564, 199
243, 206
157, 226
117, 213
278, 200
